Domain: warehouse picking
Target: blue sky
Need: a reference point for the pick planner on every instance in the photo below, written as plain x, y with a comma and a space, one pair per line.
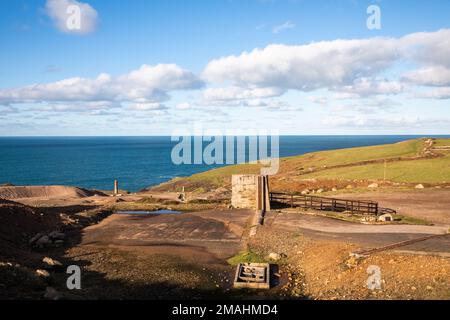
150, 67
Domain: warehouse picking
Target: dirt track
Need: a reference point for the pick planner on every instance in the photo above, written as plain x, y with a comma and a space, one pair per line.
322, 228
430, 204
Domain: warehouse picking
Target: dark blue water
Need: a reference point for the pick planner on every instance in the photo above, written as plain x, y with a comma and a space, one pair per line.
137, 162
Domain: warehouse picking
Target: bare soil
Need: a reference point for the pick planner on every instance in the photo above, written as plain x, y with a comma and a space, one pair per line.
317, 269
46, 192
429, 204
185, 256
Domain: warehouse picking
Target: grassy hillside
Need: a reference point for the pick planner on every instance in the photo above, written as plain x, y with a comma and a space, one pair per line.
405, 162
354, 155
417, 171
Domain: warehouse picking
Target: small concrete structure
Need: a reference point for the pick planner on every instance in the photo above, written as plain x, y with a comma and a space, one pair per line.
250, 191
243, 188
252, 276
386, 218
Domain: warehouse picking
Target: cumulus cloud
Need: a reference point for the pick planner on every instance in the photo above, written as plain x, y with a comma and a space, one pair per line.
429, 48
306, 67
366, 87
349, 69
352, 68
63, 11
430, 76
148, 84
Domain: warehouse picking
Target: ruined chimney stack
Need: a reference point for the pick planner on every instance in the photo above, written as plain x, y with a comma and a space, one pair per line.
116, 187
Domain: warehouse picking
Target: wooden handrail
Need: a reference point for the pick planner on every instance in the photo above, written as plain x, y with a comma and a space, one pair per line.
325, 203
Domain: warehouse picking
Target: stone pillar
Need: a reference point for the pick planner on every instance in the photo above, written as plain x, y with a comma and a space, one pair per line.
182, 195
116, 187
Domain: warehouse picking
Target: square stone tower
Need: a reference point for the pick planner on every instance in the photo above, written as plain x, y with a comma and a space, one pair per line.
250, 191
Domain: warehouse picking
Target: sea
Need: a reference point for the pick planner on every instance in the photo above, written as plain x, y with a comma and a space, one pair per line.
136, 162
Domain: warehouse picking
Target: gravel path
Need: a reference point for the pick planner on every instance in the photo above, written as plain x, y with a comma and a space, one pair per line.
367, 236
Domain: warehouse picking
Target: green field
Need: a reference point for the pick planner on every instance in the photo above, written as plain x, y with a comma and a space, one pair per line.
443, 143
399, 167
354, 155
416, 171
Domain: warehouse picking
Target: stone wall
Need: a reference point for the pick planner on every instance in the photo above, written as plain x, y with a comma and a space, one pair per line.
243, 194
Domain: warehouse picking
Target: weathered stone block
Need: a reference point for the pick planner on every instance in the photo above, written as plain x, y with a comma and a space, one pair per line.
244, 188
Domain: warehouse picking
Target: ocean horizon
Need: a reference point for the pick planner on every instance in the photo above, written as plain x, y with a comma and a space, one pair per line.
137, 162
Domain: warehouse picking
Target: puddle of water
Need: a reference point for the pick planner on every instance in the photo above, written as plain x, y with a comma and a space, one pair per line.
149, 212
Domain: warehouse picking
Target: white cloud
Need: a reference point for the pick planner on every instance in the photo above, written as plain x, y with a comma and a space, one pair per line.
366, 87
183, 106
429, 48
306, 67
430, 76
318, 99
348, 67
235, 96
270, 104
227, 94
439, 93
284, 26
59, 11
366, 106
151, 106
362, 122
86, 106
369, 122
147, 84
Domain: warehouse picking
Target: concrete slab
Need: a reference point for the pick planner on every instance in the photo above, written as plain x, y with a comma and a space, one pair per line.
219, 232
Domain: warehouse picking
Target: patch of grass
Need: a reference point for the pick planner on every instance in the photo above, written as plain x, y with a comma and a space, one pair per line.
354, 155
246, 256
149, 200
209, 180
411, 220
168, 204
219, 177
203, 201
135, 206
343, 217
442, 143
216, 176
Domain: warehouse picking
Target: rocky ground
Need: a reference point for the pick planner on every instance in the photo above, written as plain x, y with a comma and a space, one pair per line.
324, 270
31, 238
136, 259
